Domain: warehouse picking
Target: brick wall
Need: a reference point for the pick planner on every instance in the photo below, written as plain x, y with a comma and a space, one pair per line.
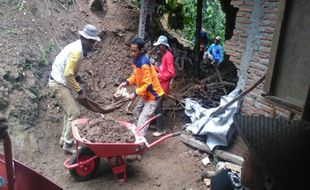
249, 49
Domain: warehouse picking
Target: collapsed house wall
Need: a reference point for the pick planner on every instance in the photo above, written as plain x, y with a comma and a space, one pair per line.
250, 48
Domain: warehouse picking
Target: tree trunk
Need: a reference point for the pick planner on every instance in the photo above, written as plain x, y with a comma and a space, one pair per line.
197, 39
142, 18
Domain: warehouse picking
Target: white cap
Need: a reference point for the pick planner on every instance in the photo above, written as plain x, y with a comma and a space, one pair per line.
90, 32
162, 40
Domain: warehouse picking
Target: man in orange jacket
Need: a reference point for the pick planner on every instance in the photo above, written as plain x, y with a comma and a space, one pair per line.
147, 84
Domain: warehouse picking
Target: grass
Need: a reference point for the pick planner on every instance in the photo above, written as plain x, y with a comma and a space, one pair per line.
45, 52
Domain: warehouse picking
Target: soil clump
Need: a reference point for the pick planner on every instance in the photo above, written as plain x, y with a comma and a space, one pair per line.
106, 130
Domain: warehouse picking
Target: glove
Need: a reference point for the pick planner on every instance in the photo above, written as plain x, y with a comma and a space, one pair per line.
78, 78
81, 94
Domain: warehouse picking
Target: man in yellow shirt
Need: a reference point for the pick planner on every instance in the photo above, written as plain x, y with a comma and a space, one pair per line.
63, 79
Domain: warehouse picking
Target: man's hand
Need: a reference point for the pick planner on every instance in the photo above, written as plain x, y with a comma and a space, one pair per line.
132, 96
123, 84
82, 94
210, 56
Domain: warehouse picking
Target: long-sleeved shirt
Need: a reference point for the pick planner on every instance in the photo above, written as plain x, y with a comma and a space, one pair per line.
67, 64
166, 71
145, 78
216, 51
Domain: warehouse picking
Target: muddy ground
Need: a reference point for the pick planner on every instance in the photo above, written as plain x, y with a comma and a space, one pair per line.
32, 33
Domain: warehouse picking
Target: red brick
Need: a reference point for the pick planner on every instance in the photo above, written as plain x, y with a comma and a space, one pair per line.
264, 61
241, 26
270, 16
255, 73
243, 20
248, 100
250, 3
266, 29
237, 61
265, 49
258, 66
266, 43
244, 14
255, 59
270, 10
270, 23
246, 9
265, 36
237, 3
239, 33
246, 111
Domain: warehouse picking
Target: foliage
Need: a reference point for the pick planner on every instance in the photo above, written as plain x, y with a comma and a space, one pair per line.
174, 9
182, 16
136, 3
213, 19
45, 52
177, 17
22, 7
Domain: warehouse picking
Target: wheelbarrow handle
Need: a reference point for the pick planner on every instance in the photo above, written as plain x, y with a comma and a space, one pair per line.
148, 121
164, 138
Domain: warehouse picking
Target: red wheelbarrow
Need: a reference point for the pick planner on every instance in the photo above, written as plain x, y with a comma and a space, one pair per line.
16, 176
84, 163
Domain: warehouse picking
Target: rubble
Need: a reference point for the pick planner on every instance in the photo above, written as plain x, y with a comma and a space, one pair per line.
106, 130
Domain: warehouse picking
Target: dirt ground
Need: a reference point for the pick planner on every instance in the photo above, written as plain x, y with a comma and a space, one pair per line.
32, 33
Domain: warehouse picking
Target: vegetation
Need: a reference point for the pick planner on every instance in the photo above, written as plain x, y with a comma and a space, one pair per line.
182, 16
213, 19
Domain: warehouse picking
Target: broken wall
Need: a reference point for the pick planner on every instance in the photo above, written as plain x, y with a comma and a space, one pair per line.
249, 49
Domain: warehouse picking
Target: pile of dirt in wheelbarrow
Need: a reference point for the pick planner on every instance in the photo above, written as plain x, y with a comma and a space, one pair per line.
104, 130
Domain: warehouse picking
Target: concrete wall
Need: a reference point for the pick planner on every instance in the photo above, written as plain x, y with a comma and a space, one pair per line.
249, 49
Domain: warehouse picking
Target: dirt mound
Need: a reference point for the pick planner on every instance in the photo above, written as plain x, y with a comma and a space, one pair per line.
106, 130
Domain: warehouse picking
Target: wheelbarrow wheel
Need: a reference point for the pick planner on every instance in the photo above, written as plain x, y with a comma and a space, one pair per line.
87, 171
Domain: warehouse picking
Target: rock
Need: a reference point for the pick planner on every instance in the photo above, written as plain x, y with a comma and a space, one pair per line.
208, 174
220, 166
233, 167
196, 153
3, 103
207, 182
97, 5
205, 161
158, 184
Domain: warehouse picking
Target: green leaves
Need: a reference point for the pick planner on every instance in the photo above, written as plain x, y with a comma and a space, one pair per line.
177, 17
213, 19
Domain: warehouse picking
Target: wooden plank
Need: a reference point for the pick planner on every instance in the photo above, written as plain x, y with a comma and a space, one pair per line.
297, 109
191, 141
227, 156
223, 155
274, 47
221, 80
306, 110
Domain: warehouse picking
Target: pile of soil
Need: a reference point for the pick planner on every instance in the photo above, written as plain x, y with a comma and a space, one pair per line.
105, 130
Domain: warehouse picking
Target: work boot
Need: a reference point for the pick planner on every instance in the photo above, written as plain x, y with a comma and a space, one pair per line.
61, 143
68, 148
158, 133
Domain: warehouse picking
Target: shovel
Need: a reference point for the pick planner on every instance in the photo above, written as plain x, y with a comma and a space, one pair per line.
97, 108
